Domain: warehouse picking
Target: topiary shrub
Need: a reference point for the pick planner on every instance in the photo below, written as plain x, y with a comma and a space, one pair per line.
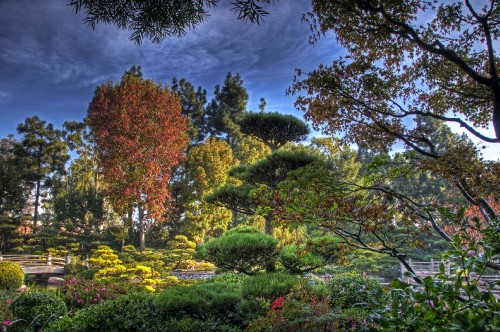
204, 301
37, 308
268, 286
132, 312
348, 290
243, 249
11, 275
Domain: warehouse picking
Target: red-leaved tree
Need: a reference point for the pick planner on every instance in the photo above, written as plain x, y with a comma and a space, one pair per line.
139, 134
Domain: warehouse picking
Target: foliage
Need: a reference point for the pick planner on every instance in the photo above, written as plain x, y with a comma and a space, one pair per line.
316, 252
11, 275
43, 153
268, 285
6, 298
179, 252
79, 293
206, 168
139, 134
243, 249
13, 190
37, 307
106, 261
304, 309
192, 104
131, 312
459, 302
226, 108
274, 129
347, 290
146, 20
205, 301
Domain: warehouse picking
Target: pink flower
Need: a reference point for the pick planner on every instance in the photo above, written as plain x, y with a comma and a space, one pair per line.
8, 301
79, 301
7, 322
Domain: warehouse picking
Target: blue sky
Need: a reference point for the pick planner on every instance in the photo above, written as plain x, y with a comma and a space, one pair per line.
51, 62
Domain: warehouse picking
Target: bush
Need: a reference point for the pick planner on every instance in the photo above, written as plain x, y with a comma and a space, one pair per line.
305, 309
204, 301
132, 312
11, 275
349, 290
37, 308
243, 249
80, 294
268, 286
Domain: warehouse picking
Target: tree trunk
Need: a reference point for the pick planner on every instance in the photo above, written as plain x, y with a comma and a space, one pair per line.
37, 203
142, 234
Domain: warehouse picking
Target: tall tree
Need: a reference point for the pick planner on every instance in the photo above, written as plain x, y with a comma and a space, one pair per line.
207, 168
193, 107
226, 108
139, 133
406, 59
157, 19
44, 152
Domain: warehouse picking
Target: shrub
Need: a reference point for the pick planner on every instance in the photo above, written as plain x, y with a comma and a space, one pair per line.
11, 275
205, 301
243, 249
132, 312
6, 298
80, 293
37, 308
304, 309
349, 290
268, 286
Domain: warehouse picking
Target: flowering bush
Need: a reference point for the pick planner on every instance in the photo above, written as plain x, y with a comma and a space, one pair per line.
83, 293
304, 310
6, 298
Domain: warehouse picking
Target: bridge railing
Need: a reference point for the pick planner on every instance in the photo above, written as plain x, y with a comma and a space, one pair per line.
37, 260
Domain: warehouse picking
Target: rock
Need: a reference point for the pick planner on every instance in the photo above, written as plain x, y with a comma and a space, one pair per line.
55, 280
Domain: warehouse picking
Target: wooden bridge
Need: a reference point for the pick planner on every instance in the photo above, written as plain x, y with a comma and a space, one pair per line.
39, 264
424, 269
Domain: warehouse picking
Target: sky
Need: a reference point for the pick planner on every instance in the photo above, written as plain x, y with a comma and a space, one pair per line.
51, 61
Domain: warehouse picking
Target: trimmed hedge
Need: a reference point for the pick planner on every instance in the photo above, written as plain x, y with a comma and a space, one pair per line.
11, 275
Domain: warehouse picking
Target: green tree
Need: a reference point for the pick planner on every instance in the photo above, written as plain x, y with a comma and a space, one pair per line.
226, 108
157, 19
243, 249
44, 152
206, 168
193, 107
274, 129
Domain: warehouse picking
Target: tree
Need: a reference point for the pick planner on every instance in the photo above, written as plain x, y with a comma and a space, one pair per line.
260, 180
157, 19
226, 108
44, 153
207, 168
139, 134
274, 129
193, 107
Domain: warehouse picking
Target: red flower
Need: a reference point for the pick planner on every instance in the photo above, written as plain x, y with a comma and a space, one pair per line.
277, 303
